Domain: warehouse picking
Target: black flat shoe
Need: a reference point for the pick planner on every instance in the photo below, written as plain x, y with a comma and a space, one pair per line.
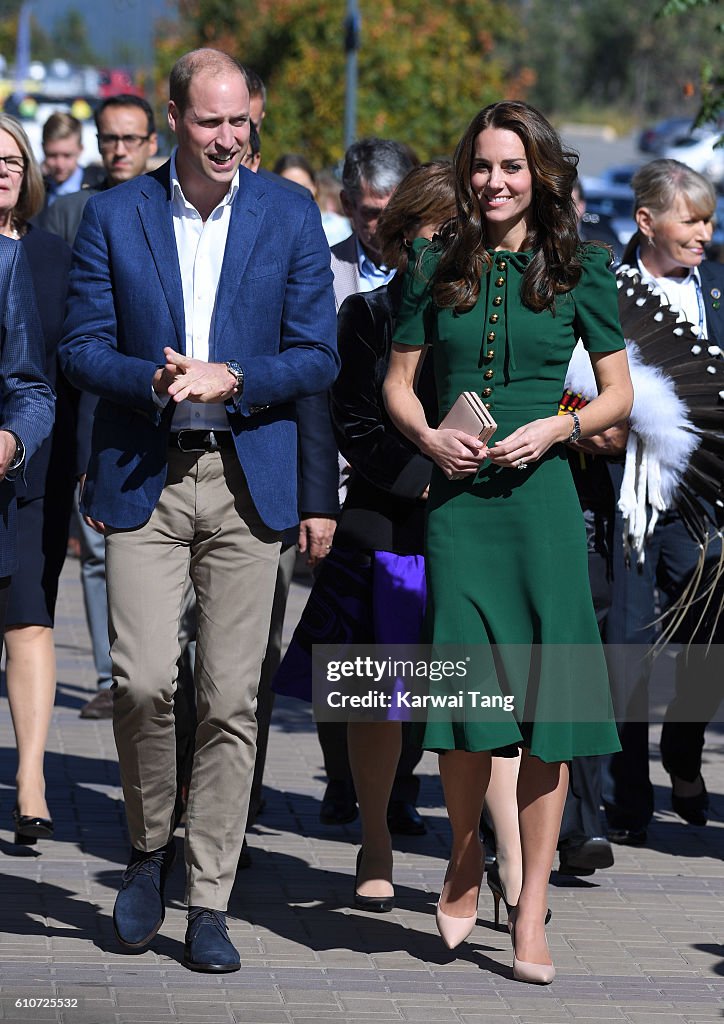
627, 836
339, 806
586, 857
403, 819
691, 808
375, 904
29, 830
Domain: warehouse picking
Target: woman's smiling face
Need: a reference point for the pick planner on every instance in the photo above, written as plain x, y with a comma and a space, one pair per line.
502, 181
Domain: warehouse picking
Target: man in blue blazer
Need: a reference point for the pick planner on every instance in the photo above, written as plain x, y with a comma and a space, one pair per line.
26, 398
200, 310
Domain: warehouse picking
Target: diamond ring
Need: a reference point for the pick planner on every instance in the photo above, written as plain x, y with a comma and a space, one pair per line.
521, 465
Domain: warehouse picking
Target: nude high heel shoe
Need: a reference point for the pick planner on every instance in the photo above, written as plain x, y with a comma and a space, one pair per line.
454, 930
533, 974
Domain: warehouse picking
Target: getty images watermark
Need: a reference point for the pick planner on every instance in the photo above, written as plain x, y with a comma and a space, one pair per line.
398, 685
522, 682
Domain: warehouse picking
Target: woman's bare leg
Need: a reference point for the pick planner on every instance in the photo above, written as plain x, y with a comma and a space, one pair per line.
30, 672
541, 795
374, 751
465, 778
502, 803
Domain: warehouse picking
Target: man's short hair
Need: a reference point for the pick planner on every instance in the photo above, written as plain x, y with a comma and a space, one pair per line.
215, 62
378, 164
254, 139
61, 126
256, 86
127, 99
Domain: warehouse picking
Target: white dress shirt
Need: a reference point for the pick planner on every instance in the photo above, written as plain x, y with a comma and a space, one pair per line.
200, 246
682, 294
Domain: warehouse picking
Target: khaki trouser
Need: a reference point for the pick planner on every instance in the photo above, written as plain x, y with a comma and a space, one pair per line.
205, 523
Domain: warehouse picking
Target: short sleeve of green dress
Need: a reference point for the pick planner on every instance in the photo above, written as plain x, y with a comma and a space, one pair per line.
415, 322
506, 556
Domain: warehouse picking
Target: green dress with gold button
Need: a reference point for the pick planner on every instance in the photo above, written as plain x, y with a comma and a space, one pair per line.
506, 557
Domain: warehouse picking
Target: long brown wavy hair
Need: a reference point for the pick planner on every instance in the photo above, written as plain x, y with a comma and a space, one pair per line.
424, 196
552, 230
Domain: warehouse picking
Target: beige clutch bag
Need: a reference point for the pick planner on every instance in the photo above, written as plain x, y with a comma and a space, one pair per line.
469, 414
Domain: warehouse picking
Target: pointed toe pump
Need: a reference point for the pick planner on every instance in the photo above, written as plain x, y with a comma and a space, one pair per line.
454, 930
532, 974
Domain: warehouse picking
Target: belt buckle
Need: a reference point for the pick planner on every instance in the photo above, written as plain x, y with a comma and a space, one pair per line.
189, 449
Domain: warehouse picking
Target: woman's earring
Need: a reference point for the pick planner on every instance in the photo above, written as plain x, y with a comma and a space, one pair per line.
651, 241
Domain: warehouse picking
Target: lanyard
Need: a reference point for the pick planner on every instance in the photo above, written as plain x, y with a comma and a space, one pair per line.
701, 308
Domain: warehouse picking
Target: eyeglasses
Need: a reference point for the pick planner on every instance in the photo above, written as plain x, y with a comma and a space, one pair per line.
129, 141
13, 164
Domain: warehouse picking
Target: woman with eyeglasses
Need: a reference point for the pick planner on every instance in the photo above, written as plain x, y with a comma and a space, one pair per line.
44, 495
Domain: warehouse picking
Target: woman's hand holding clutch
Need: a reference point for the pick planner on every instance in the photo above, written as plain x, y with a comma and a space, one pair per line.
456, 453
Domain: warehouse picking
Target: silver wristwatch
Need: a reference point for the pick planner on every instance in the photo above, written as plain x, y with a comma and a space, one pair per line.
576, 432
236, 371
19, 457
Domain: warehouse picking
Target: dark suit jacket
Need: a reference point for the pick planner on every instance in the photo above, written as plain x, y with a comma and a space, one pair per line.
64, 216
712, 280
26, 397
274, 314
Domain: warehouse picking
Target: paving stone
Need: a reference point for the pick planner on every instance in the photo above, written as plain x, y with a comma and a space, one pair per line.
638, 943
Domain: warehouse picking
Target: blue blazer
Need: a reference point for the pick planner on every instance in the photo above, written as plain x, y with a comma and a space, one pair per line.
274, 314
26, 397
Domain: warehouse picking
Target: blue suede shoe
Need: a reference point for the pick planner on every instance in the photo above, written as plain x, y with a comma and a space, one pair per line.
208, 947
139, 909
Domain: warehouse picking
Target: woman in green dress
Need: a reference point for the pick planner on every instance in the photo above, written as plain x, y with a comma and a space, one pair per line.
503, 298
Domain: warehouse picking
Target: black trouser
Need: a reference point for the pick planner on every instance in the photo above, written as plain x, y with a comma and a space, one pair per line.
333, 741
671, 555
699, 691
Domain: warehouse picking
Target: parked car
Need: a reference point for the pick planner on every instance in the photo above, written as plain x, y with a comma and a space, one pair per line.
617, 174
703, 154
600, 228
715, 250
612, 203
34, 109
656, 138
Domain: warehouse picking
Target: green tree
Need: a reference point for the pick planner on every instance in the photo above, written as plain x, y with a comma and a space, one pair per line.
712, 75
615, 55
425, 67
69, 38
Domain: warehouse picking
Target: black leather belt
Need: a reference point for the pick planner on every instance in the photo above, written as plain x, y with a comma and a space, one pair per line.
201, 440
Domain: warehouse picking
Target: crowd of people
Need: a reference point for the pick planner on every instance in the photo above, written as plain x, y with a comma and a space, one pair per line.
228, 392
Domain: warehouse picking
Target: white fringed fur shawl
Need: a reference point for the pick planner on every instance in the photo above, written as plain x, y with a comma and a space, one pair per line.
660, 443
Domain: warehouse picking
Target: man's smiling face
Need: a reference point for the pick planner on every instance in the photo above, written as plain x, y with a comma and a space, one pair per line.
213, 130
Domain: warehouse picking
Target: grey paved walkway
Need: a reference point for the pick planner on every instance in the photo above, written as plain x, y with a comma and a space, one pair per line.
641, 942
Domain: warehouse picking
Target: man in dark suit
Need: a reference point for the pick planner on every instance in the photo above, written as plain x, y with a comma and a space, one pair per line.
26, 398
200, 310
62, 149
127, 140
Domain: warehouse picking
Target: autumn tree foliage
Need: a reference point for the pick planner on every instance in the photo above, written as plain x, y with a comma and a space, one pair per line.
425, 67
